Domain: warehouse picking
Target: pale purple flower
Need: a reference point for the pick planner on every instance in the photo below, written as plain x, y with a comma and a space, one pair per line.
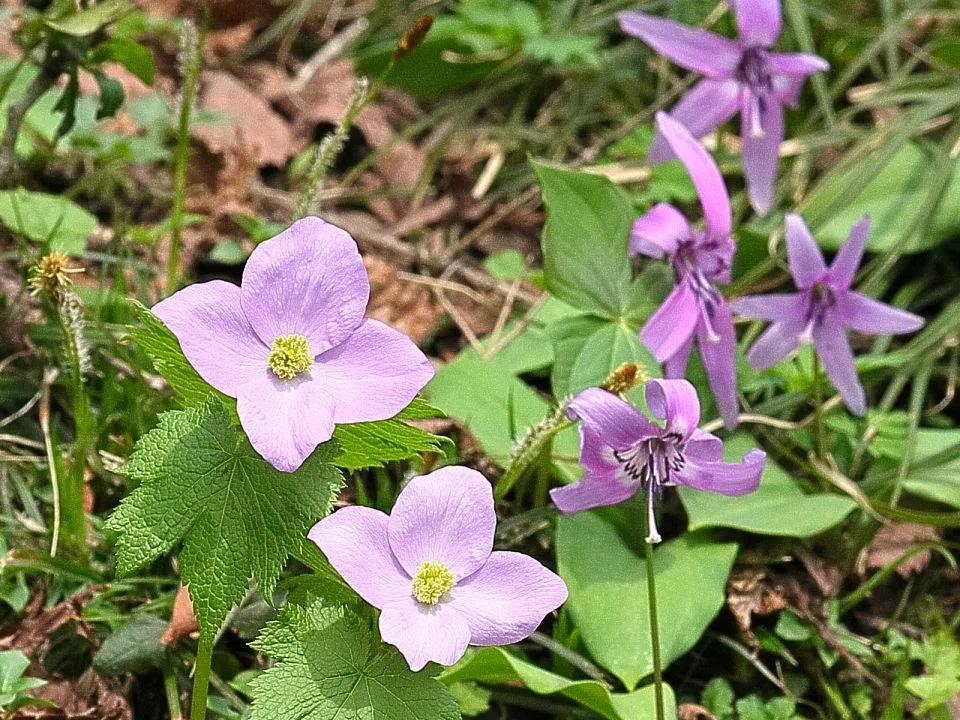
291, 343
822, 311
623, 452
429, 567
742, 75
700, 258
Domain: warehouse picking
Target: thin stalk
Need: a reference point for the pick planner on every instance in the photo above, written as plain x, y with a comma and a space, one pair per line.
654, 626
920, 384
201, 678
819, 430
172, 693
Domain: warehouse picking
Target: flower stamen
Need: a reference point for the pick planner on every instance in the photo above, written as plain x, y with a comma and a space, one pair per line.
431, 581
289, 356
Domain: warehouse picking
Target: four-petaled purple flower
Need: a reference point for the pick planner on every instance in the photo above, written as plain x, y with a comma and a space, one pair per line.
623, 452
429, 567
700, 258
739, 75
291, 343
822, 310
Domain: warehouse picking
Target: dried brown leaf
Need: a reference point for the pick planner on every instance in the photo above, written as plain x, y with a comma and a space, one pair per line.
893, 540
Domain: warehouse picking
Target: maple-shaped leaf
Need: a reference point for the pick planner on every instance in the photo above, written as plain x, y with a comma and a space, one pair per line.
204, 487
330, 665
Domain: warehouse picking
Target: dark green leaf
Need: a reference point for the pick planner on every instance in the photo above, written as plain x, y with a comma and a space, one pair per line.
133, 648
135, 57
111, 95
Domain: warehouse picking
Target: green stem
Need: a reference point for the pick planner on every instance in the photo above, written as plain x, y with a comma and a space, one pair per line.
201, 678
654, 625
819, 441
172, 692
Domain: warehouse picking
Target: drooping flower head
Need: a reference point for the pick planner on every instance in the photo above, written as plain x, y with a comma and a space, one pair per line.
291, 343
822, 310
739, 75
429, 567
623, 452
700, 258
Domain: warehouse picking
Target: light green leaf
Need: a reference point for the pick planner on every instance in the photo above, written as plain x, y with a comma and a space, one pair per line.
569, 336
606, 350
41, 217
778, 507
496, 666
374, 444
135, 57
87, 22
330, 665
204, 487
600, 556
942, 483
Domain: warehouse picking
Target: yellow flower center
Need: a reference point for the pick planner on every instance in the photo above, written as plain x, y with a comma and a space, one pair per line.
431, 581
289, 356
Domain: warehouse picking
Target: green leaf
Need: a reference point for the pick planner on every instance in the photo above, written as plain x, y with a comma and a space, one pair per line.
569, 336
496, 666
940, 483
87, 22
330, 665
606, 350
778, 507
203, 486
136, 58
42, 217
13, 664
599, 556
133, 648
718, 697
374, 444
585, 240
111, 95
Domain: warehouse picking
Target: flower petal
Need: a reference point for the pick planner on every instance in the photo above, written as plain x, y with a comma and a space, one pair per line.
786, 89
446, 516
592, 491
796, 64
832, 346
595, 454
721, 477
761, 154
848, 258
872, 317
758, 21
717, 353
618, 424
508, 598
776, 343
422, 633
806, 260
285, 421
703, 172
672, 325
214, 334
709, 104
788, 307
308, 280
373, 374
703, 447
675, 402
675, 366
657, 232
354, 539
698, 50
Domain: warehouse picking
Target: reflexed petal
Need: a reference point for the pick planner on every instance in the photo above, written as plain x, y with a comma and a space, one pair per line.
308, 280
724, 478
709, 104
373, 374
618, 423
789, 307
594, 450
675, 402
703, 447
590, 492
830, 341
761, 155
703, 172
354, 539
717, 353
776, 343
872, 317
806, 260
505, 600
446, 516
758, 21
672, 325
285, 421
676, 365
848, 258
698, 50
796, 64
422, 634
658, 231
214, 334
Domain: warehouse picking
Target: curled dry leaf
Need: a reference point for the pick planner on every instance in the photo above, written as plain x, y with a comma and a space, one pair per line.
407, 306
182, 620
750, 591
692, 711
893, 540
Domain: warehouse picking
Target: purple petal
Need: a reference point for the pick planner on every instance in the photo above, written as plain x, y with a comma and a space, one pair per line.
446, 516
309, 280
615, 421
786, 89
724, 478
698, 50
848, 258
775, 306
425, 633
285, 421
675, 402
759, 21
672, 325
761, 153
872, 317
832, 346
214, 334
776, 343
703, 447
373, 374
657, 232
717, 352
590, 492
796, 64
354, 539
675, 366
709, 104
595, 454
508, 598
703, 172
806, 260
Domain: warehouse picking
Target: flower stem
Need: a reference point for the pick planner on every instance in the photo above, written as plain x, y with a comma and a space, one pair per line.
819, 435
654, 625
201, 678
